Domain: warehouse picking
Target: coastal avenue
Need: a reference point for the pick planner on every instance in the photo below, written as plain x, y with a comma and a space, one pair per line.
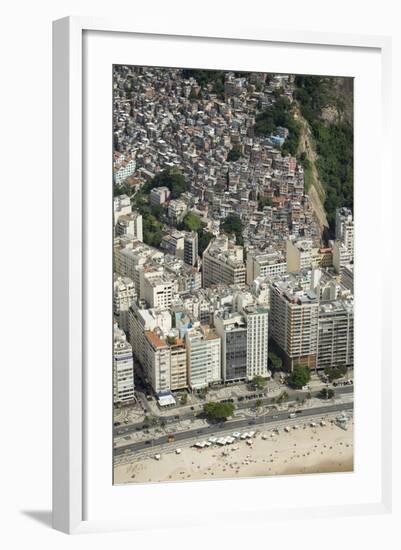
270, 418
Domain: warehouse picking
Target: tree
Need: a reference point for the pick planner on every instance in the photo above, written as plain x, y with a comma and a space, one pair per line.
275, 361
299, 377
203, 392
333, 373
234, 153
258, 382
204, 238
279, 114
151, 420
171, 178
157, 211
184, 399
282, 397
206, 79
217, 412
264, 201
233, 224
193, 94
326, 393
192, 222
258, 403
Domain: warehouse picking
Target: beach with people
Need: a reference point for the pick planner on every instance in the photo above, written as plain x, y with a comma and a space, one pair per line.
310, 447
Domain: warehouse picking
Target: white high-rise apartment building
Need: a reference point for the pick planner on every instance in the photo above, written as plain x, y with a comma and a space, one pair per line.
191, 248
123, 368
257, 319
299, 255
345, 229
158, 291
122, 205
341, 256
336, 334
178, 366
124, 169
164, 361
264, 264
223, 262
176, 210
203, 357
123, 297
141, 320
233, 332
174, 244
156, 361
130, 224
131, 259
159, 195
294, 316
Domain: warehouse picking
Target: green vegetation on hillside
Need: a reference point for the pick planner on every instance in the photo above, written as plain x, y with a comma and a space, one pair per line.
171, 178
204, 238
334, 141
204, 78
264, 201
192, 222
279, 114
152, 226
214, 78
234, 153
232, 224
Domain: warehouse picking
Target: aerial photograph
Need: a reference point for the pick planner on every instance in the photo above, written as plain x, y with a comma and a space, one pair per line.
233, 262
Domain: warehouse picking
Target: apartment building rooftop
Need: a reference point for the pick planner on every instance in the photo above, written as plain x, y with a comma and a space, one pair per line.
155, 339
295, 287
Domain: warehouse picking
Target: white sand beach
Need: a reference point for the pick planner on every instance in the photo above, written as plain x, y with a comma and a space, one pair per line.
319, 449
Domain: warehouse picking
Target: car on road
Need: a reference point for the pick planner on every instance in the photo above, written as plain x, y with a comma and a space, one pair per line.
292, 415
275, 416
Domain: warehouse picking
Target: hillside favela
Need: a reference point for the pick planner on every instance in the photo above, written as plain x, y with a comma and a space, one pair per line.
233, 274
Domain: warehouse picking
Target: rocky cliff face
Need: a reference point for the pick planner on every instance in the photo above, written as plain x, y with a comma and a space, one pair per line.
324, 107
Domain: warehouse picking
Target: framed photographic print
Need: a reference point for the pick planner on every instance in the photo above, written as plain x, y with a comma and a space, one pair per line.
213, 204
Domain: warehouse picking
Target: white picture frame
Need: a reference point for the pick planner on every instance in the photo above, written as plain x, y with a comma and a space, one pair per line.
70, 331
